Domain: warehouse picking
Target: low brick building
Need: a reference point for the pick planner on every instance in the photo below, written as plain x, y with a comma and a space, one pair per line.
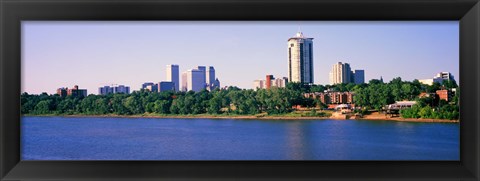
444, 95
332, 97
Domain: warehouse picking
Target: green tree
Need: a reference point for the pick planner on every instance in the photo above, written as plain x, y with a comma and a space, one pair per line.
44, 107
116, 103
133, 104
162, 106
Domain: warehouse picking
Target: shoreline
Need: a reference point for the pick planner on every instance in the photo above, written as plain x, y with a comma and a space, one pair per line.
366, 117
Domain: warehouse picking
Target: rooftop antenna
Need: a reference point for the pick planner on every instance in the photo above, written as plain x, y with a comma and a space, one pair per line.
299, 32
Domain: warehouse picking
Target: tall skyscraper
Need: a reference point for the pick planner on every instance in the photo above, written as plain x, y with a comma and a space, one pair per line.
195, 79
204, 71
173, 75
341, 73
359, 76
300, 59
211, 81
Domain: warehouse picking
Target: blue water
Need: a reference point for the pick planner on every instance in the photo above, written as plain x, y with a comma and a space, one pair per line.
59, 138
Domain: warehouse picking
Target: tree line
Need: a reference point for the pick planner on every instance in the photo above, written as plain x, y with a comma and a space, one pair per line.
233, 100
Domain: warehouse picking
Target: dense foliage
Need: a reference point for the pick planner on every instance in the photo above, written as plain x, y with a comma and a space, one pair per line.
374, 95
232, 101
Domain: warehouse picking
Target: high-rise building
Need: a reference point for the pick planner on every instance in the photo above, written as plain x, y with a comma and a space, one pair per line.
204, 71
121, 89
300, 59
199, 78
281, 82
359, 76
268, 81
62, 92
215, 84
444, 76
166, 86
150, 86
113, 89
210, 75
184, 82
211, 82
146, 84
173, 75
340, 73
195, 79
105, 90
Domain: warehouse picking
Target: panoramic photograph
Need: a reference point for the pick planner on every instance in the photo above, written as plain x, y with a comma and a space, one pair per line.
240, 90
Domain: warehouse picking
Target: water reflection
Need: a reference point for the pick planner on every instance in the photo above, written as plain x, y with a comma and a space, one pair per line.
298, 147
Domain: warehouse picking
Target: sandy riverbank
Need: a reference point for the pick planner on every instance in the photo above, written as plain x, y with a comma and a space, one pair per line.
373, 116
377, 116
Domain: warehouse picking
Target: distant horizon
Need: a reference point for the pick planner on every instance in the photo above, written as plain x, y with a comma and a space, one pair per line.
91, 54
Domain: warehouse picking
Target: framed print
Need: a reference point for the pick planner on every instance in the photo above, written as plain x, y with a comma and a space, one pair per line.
239, 90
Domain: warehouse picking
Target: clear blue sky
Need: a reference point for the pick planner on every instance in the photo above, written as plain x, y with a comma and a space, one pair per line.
92, 54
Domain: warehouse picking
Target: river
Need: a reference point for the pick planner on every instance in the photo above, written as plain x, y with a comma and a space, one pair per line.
89, 138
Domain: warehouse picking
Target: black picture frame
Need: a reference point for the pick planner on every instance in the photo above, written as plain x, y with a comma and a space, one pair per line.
12, 12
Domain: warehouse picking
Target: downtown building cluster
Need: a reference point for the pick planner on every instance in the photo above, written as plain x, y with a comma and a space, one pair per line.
300, 70
199, 78
195, 79
192, 80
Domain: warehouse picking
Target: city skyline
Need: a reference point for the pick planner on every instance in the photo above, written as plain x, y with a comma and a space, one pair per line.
132, 53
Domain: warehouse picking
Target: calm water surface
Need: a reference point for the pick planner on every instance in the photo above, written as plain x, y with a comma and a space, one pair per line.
59, 138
